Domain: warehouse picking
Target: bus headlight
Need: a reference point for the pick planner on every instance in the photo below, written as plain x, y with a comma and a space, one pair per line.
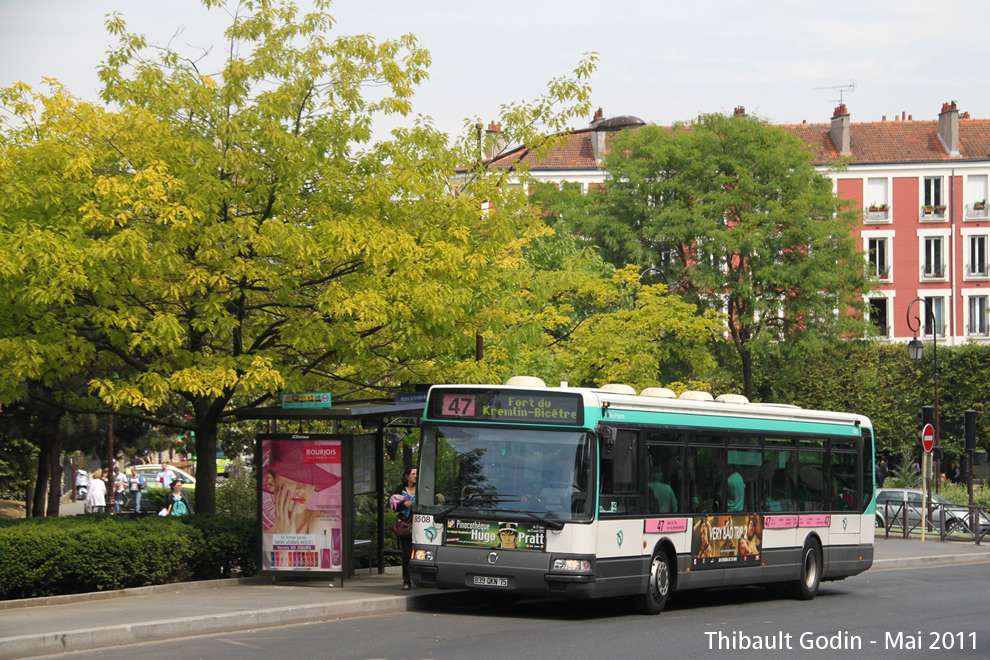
571, 565
422, 555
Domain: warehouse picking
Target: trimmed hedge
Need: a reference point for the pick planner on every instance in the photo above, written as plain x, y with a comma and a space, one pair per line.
79, 554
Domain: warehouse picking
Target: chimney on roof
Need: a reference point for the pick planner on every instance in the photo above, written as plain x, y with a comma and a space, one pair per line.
840, 130
740, 111
948, 129
598, 118
598, 136
494, 141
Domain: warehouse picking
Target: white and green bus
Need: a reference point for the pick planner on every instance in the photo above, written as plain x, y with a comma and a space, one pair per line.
587, 493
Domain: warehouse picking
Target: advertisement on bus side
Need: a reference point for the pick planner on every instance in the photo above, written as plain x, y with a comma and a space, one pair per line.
499, 535
725, 541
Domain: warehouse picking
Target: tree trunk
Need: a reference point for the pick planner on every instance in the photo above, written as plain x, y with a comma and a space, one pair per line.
746, 357
55, 477
44, 474
207, 416
29, 501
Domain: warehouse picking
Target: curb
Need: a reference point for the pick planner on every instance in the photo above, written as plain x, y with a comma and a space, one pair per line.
119, 635
69, 599
929, 562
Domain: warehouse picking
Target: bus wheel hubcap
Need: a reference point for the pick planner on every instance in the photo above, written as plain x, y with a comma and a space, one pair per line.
660, 576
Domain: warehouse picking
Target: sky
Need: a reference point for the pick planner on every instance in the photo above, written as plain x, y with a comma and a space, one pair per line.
663, 61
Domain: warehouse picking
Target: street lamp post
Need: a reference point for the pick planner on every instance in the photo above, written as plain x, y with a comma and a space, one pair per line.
916, 350
649, 270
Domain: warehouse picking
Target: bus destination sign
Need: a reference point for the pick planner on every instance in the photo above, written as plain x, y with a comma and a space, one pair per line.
519, 406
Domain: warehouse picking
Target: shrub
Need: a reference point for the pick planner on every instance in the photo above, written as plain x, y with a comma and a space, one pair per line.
237, 496
226, 546
78, 554
959, 494
905, 476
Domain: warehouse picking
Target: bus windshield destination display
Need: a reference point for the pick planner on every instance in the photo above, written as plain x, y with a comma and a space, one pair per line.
508, 406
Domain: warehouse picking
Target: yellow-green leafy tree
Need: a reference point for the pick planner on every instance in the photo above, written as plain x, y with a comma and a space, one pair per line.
210, 236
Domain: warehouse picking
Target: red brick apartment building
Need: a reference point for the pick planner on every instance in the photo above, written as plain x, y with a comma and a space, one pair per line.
922, 188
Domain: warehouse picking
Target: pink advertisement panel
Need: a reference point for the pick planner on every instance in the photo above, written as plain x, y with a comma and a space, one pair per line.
665, 525
301, 504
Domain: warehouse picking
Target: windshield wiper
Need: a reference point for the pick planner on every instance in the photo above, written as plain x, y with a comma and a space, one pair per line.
552, 524
442, 516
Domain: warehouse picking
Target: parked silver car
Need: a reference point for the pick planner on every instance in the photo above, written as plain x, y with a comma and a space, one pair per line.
893, 502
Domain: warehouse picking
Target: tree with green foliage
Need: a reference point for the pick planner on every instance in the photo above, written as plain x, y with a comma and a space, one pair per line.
729, 213
228, 235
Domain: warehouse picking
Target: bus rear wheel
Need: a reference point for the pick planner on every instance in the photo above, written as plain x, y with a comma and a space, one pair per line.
661, 581
806, 587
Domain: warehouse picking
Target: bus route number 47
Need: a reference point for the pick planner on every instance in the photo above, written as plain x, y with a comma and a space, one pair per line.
459, 406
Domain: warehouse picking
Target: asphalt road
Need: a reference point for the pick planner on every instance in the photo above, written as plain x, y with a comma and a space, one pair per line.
909, 613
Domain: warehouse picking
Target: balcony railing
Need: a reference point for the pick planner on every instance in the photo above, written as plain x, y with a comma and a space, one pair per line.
933, 273
932, 213
976, 273
877, 214
976, 210
882, 273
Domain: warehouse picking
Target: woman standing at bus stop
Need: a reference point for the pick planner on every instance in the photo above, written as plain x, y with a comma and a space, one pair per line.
403, 502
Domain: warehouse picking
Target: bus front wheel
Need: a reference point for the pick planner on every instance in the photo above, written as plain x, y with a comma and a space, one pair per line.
660, 584
806, 587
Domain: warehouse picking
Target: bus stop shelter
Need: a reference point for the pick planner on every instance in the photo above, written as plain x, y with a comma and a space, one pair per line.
356, 459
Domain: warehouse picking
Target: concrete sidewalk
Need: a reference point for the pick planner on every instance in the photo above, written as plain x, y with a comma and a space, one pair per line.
46, 626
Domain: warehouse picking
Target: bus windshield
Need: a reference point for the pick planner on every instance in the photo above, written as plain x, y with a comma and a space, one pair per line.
484, 470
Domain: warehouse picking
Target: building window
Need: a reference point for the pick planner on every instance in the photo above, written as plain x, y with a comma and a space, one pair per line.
876, 192
933, 191
935, 304
933, 265
879, 265
710, 252
877, 209
977, 246
977, 324
976, 196
878, 316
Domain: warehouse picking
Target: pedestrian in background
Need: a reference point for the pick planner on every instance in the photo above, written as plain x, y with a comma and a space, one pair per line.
177, 502
166, 476
96, 500
119, 489
136, 484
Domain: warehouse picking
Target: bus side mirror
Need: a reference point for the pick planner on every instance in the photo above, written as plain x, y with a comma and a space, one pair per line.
607, 434
392, 443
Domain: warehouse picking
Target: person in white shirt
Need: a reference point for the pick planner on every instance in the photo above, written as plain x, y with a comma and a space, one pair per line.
166, 476
97, 497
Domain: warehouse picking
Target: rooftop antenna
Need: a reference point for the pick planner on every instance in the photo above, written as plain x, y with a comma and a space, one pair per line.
842, 89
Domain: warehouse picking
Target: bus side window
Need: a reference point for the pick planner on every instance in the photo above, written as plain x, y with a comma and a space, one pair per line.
663, 493
844, 474
707, 468
780, 493
812, 495
620, 478
742, 488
